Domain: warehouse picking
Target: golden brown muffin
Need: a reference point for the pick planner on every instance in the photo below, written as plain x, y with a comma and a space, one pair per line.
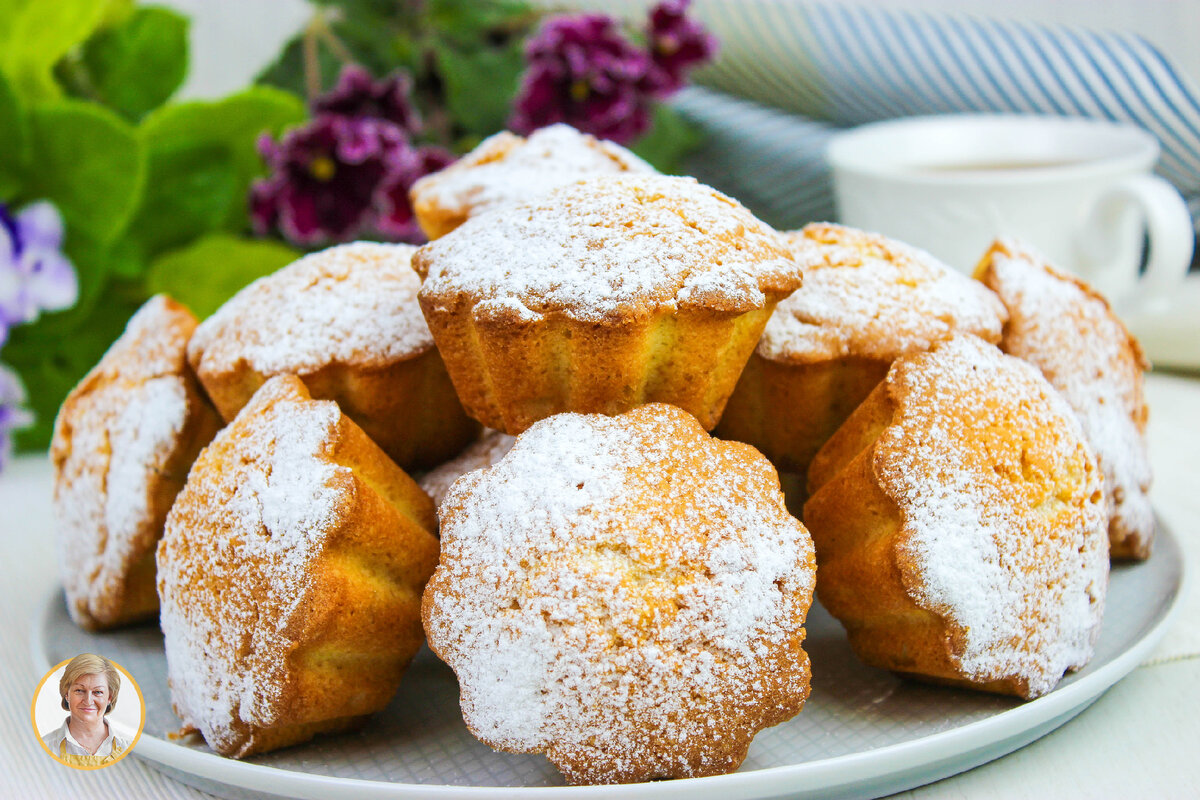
1067, 330
123, 442
346, 321
290, 576
960, 526
866, 301
601, 296
507, 168
626, 595
483, 452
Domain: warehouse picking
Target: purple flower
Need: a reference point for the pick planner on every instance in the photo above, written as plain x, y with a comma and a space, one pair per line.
583, 72
396, 220
339, 177
34, 274
324, 178
677, 44
12, 415
357, 96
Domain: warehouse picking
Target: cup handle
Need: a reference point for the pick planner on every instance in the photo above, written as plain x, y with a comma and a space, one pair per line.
1170, 233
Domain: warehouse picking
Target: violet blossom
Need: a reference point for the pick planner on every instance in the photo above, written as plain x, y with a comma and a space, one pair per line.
35, 276
677, 44
12, 415
323, 178
396, 219
347, 172
584, 72
357, 95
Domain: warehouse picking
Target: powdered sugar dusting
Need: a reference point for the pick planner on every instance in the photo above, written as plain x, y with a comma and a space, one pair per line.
1070, 333
159, 331
351, 304
1001, 510
602, 247
149, 421
866, 295
505, 168
485, 451
623, 592
116, 441
234, 563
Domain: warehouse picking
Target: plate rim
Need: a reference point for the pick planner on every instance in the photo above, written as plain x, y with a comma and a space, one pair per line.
1002, 732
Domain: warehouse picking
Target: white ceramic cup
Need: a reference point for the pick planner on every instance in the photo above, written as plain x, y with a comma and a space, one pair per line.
1080, 191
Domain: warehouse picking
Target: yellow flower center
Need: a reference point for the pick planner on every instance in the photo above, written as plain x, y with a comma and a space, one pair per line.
322, 168
579, 91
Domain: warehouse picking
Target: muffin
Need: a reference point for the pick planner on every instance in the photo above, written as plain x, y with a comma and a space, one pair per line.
507, 168
346, 321
290, 576
123, 442
1067, 330
866, 301
960, 525
483, 452
603, 295
626, 595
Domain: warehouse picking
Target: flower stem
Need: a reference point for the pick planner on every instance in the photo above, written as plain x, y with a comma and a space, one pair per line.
312, 61
318, 31
336, 45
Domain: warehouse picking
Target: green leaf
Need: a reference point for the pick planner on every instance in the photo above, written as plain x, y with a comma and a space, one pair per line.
371, 36
474, 24
50, 366
14, 140
207, 273
376, 33
479, 85
287, 71
234, 123
35, 34
126, 260
89, 163
191, 189
135, 66
669, 140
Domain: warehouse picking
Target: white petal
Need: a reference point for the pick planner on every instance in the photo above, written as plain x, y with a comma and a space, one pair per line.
40, 224
12, 391
53, 286
6, 250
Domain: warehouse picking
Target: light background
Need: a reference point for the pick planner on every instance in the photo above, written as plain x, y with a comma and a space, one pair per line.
233, 39
125, 719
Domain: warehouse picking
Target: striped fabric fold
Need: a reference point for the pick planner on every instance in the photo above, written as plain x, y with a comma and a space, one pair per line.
845, 65
770, 160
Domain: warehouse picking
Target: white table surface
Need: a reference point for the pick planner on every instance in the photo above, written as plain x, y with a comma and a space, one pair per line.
1141, 739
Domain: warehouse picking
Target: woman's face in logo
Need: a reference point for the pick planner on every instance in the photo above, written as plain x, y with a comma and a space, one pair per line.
88, 697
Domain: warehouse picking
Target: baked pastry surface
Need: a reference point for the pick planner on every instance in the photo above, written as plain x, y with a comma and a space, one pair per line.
960, 525
346, 321
123, 442
625, 594
483, 452
866, 301
507, 168
1067, 330
290, 576
603, 295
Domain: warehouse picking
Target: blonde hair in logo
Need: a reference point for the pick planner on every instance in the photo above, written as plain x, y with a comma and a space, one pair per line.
90, 664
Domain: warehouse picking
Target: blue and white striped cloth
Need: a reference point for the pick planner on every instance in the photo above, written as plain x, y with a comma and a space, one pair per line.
809, 69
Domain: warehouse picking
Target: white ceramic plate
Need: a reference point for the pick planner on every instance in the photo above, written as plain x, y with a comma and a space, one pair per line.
863, 732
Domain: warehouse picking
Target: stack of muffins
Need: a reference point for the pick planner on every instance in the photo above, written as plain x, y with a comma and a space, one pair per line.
612, 585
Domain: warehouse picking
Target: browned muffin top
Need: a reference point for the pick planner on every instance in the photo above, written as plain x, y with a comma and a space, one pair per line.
611, 247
